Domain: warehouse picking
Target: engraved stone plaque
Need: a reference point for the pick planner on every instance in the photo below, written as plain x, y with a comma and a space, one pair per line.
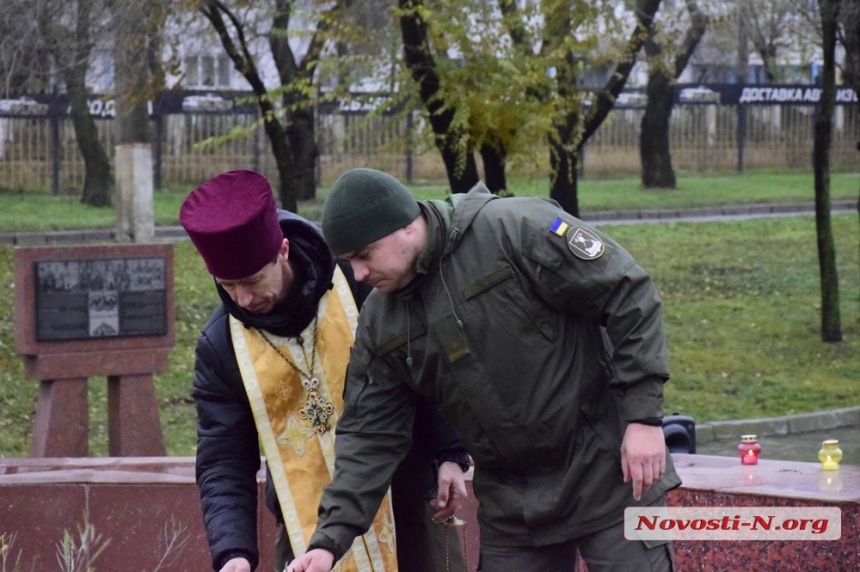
80, 299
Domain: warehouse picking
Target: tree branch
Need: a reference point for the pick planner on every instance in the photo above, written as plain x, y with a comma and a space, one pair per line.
645, 10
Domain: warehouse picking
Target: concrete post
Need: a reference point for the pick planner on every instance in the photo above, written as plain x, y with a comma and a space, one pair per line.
134, 212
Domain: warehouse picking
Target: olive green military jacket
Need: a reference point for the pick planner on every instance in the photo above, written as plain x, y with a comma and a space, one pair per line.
540, 337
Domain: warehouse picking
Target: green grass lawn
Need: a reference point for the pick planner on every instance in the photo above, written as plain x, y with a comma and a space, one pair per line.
742, 313
39, 210
741, 300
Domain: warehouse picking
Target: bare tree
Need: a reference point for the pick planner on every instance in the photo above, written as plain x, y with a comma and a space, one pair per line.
654, 152
768, 25
831, 322
451, 137
76, 52
46, 44
849, 36
137, 47
132, 73
779, 32
849, 30
25, 57
290, 124
577, 125
239, 52
297, 89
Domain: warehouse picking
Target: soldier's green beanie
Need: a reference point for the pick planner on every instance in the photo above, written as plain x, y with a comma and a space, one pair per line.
363, 206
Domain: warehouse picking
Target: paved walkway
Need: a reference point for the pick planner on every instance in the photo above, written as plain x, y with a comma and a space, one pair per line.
710, 214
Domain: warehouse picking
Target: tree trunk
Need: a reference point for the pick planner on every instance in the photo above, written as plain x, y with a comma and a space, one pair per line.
297, 105
282, 153
132, 151
563, 181
654, 152
831, 322
301, 133
564, 141
132, 77
97, 169
457, 154
494, 161
849, 16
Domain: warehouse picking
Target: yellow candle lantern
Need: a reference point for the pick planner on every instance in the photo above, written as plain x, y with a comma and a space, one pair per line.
830, 454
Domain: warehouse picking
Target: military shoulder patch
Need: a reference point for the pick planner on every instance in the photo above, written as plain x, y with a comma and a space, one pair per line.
584, 243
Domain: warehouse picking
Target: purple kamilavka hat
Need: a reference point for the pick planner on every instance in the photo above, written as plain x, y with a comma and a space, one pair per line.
232, 219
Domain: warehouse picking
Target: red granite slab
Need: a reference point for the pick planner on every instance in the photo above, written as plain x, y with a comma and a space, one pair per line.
724, 482
135, 502
132, 501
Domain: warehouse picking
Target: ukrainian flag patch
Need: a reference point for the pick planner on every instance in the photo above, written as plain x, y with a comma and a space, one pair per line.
559, 227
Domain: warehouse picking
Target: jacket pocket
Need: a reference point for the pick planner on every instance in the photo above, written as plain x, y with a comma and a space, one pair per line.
501, 293
356, 373
495, 277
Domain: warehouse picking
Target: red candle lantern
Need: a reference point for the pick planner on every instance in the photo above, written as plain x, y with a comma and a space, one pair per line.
749, 450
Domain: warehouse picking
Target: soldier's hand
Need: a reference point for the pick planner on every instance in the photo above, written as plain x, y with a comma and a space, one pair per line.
316, 560
236, 565
450, 492
643, 456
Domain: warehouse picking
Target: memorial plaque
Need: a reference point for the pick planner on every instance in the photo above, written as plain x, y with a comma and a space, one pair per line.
95, 310
109, 305
82, 299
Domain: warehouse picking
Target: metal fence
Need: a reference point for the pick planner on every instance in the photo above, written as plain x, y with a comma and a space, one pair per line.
41, 152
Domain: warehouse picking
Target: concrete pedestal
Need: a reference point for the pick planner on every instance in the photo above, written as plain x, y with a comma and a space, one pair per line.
136, 282
134, 428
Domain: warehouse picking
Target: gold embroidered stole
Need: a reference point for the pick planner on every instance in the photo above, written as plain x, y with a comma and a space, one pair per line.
300, 459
